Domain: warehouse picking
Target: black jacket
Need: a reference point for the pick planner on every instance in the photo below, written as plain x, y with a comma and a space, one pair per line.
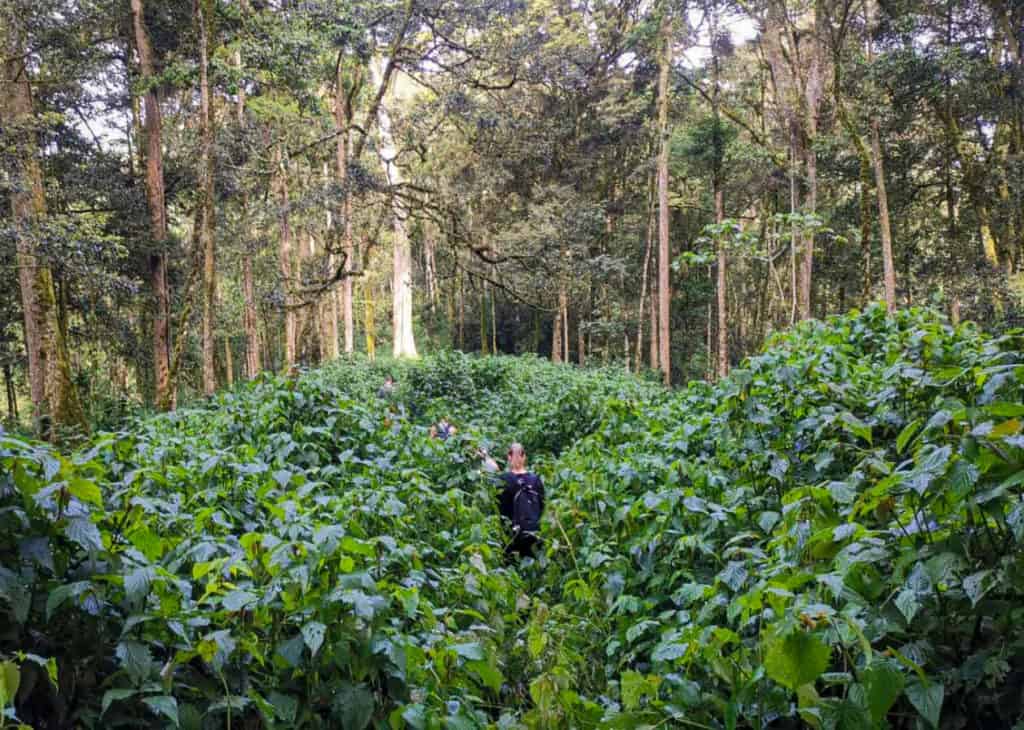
512, 483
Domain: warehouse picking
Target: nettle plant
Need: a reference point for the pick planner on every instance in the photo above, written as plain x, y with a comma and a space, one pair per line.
830, 537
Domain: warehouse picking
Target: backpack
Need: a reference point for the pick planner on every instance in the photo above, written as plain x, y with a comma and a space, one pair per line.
526, 507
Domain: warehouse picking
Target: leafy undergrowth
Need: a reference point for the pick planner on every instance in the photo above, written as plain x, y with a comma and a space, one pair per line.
830, 537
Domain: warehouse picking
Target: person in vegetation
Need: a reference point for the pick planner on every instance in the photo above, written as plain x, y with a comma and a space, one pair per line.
443, 429
387, 389
521, 501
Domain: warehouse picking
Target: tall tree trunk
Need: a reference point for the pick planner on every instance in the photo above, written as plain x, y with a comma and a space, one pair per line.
343, 118
12, 394
721, 299
654, 349
250, 317
206, 188
53, 391
483, 318
494, 324
716, 183
813, 101
229, 363
157, 213
563, 301
664, 291
556, 335
403, 341
285, 260
370, 324
643, 283
888, 267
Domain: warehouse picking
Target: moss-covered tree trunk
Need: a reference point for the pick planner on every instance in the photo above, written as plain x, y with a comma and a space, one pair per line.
53, 391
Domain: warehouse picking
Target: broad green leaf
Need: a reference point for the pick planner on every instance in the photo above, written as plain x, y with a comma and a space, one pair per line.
883, 684
135, 659
10, 680
86, 491
472, 651
164, 705
489, 675
926, 697
352, 706
83, 531
115, 695
796, 659
137, 583
907, 434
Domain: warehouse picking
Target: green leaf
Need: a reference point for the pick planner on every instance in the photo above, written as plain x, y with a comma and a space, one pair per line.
906, 602
291, 650
883, 683
83, 531
10, 680
796, 659
855, 426
353, 706
135, 659
237, 600
313, 634
669, 652
926, 697
137, 583
164, 705
286, 707
907, 434
490, 676
472, 651
635, 686
86, 491
60, 594
115, 695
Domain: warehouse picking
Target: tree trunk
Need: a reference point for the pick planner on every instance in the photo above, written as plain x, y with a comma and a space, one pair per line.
53, 391
813, 100
285, 260
404, 343
229, 363
654, 349
370, 324
721, 300
343, 118
206, 202
12, 394
494, 324
483, 318
643, 284
563, 301
157, 213
556, 335
664, 292
888, 267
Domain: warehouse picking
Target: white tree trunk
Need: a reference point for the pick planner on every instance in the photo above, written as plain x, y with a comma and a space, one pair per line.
404, 343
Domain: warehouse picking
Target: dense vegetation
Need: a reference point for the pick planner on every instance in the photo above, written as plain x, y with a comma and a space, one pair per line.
830, 536
197, 191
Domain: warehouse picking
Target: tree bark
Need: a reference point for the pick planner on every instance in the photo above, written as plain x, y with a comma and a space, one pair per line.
53, 391
343, 119
206, 191
285, 260
12, 394
157, 212
643, 284
404, 343
888, 267
721, 299
556, 335
654, 349
664, 292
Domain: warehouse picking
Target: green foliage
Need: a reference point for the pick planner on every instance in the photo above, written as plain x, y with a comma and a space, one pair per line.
829, 537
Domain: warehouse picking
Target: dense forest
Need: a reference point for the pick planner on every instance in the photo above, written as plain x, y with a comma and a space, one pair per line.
194, 193
742, 279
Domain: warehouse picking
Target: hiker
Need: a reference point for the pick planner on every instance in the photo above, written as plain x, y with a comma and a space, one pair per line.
442, 430
521, 501
387, 389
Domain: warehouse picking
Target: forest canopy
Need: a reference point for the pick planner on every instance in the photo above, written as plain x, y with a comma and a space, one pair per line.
195, 192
